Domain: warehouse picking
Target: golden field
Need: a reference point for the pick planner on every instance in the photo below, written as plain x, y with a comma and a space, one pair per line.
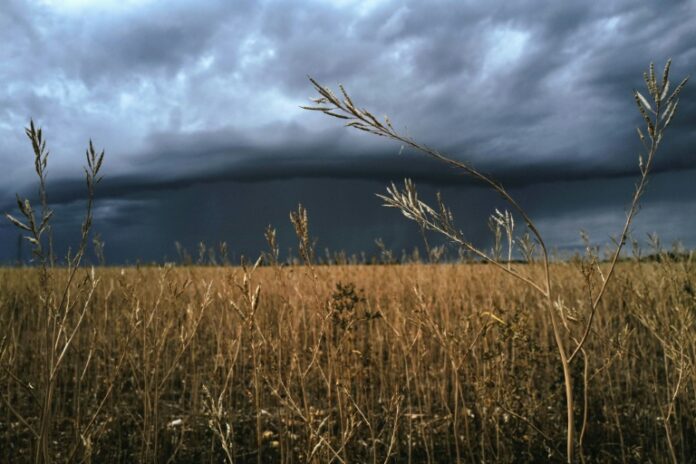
413, 363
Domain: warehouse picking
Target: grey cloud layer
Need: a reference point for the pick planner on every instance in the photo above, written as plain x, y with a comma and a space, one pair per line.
506, 84
182, 92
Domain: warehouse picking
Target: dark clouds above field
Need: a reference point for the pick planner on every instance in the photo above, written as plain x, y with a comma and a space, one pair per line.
197, 106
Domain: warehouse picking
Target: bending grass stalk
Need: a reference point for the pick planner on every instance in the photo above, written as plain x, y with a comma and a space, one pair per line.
442, 220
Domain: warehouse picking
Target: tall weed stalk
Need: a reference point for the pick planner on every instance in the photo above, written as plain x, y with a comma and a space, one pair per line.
657, 110
61, 311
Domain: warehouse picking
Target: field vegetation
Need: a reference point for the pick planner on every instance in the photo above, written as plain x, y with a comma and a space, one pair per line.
383, 363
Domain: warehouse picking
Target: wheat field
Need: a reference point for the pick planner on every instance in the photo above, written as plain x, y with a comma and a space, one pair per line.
360, 363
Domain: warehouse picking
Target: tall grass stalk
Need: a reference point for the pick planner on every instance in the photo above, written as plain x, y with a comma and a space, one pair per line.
61, 313
657, 115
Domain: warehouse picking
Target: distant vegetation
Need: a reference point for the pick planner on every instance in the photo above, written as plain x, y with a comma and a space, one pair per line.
526, 359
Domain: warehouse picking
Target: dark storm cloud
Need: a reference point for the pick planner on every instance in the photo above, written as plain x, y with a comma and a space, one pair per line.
345, 215
183, 94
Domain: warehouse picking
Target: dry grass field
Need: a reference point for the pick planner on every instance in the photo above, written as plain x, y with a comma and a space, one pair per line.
406, 363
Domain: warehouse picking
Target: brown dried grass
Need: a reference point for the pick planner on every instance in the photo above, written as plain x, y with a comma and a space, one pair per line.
410, 363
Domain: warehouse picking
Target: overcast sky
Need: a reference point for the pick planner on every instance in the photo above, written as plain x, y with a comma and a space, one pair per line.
196, 104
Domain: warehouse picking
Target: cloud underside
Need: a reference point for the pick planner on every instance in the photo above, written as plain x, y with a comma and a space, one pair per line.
346, 215
186, 94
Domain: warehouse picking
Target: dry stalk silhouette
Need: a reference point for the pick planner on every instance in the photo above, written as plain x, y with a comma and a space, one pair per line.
61, 313
657, 115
